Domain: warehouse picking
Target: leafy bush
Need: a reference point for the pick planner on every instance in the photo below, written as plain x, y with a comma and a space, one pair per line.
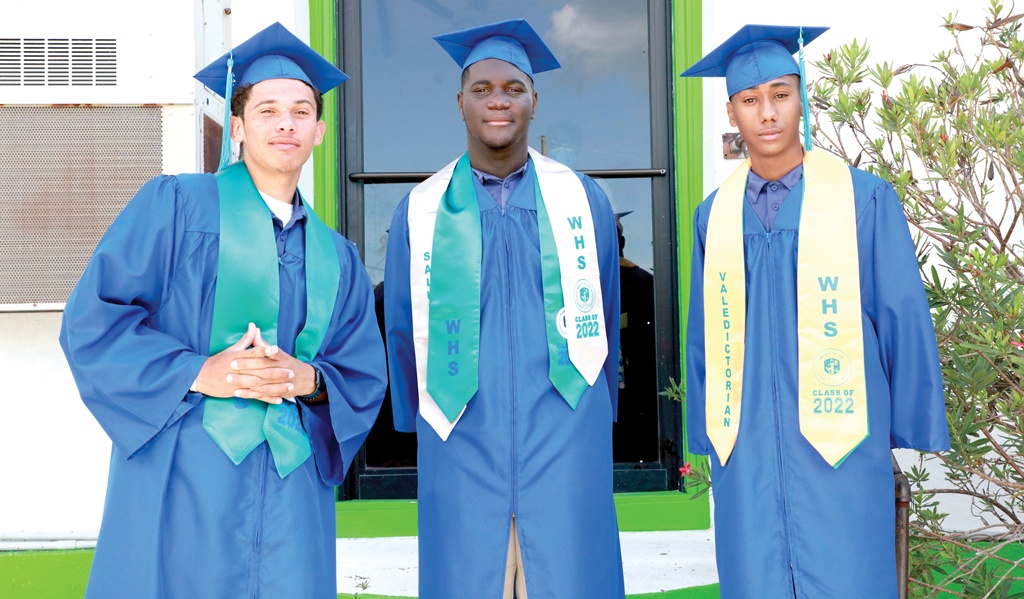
949, 136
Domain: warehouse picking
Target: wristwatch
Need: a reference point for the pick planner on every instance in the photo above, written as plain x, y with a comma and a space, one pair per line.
319, 394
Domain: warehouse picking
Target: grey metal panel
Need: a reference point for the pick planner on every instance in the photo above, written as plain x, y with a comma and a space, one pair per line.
67, 172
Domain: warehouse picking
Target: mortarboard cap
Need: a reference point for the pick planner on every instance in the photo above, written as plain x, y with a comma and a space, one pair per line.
513, 41
755, 54
274, 53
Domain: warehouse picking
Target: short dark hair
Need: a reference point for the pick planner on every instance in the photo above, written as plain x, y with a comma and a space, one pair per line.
465, 77
241, 97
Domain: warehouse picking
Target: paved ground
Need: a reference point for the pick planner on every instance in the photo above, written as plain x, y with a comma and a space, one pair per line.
651, 562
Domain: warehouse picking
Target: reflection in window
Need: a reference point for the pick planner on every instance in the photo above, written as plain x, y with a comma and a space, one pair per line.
593, 113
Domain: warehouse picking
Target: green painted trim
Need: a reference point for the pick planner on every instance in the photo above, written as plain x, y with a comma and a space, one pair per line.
687, 48
705, 592
323, 38
637, 512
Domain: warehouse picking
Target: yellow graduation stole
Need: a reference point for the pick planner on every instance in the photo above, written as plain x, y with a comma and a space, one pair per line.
832, 389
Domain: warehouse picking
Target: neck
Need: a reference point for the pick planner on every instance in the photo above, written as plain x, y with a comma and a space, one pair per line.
279, 186
772, 168
498, 163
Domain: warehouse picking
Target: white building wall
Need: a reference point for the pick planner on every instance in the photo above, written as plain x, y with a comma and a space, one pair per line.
908, 32
53, 454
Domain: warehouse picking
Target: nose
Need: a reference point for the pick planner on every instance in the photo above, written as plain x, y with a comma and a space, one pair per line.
499, 101
286, 123
768, 111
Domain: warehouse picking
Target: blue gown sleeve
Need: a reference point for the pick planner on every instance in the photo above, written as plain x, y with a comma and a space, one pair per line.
398, 323
906, 333
607, 235
352, 362
133, 378
696, 430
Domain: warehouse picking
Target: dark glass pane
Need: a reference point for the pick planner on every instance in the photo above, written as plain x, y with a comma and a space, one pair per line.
635, 434
379, 202
594, 112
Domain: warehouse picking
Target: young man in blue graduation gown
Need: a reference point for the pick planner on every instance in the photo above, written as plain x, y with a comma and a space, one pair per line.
810, 346
225, 339
501, 304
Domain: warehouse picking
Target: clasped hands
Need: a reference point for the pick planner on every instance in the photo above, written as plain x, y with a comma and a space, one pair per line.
253, 369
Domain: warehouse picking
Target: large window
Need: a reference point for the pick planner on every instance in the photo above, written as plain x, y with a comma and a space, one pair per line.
605, 112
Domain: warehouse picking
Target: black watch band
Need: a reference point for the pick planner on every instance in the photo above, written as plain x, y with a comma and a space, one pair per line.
319, 394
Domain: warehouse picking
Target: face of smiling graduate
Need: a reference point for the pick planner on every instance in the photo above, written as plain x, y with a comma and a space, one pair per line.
497, 102
279, 127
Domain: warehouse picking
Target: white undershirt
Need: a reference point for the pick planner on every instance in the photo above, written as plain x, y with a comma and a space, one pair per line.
282, 210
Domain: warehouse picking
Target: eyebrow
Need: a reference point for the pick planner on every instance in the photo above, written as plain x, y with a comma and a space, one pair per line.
276, 101
515, 80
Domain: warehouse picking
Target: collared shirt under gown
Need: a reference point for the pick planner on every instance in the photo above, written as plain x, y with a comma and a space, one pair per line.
518, 448
786, 523
180, 519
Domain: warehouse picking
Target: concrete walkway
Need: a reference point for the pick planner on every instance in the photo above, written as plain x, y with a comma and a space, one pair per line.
651, 562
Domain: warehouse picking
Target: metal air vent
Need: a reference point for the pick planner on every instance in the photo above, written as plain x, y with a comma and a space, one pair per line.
58, 62
68, 171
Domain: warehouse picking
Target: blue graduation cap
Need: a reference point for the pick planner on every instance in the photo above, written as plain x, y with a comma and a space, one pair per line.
513, 41
274, 53
756, 54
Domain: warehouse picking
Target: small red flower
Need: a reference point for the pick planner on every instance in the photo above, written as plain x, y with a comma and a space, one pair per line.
885, 98
828, 57
685, 469
943, 137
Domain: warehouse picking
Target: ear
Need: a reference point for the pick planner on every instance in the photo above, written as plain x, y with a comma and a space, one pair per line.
237, 129
321, 126
533, 111
732, 117
458, 98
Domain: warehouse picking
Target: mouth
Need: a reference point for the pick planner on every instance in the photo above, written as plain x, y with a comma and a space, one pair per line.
770, 134
284, 143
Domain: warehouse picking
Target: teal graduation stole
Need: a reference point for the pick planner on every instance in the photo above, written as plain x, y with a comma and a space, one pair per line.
247, 291
454, 331
445, 246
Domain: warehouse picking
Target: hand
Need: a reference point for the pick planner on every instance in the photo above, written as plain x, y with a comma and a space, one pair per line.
268, 373
250, 368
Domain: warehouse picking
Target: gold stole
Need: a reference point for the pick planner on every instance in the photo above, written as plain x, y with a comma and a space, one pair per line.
832, 389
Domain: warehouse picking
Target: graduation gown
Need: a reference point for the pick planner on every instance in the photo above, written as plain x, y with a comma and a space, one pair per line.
180, 519
519, 449
787, 523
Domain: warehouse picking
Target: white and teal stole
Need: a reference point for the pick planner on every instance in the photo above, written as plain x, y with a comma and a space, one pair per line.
445, 248
248, 290
832, 397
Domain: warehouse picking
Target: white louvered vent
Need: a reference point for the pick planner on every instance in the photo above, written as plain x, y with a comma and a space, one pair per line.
67, 172
58, 62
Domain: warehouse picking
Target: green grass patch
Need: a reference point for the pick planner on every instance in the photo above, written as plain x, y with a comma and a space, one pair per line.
637, 512
62, 574
667, 510
56, 574
706, 592
369, 518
